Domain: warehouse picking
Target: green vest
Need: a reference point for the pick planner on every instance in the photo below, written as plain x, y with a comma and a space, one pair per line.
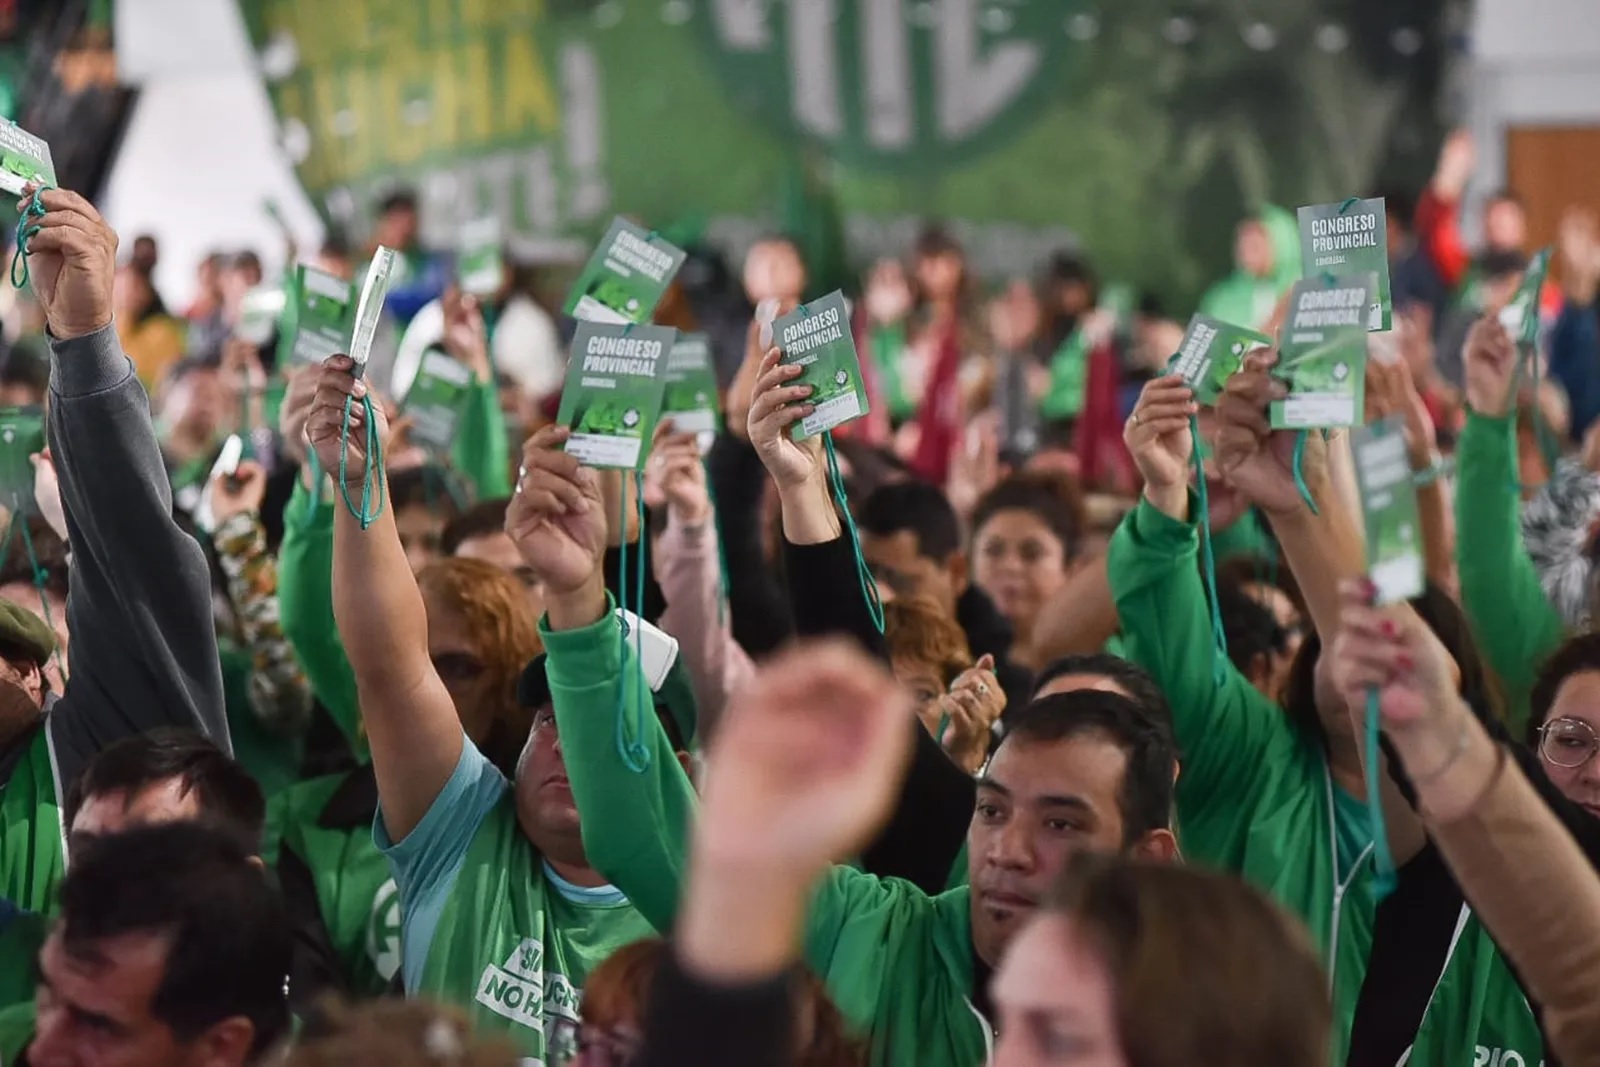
356, 896
1477, 1013
32, 847
514, 952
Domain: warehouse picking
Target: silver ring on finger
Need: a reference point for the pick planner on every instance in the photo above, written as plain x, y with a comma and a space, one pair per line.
983, 689
1134, 418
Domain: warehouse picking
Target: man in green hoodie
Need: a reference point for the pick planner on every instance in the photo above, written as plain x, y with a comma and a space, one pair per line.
1086, 770
1266, 257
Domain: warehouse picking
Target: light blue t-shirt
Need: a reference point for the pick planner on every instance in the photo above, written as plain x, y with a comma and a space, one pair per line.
427, 862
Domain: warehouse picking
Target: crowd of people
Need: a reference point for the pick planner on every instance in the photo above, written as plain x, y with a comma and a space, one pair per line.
1035, 738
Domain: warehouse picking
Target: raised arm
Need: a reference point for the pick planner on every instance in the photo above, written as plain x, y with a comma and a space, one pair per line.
411, 722
1500, 592
633, 798
1224, 729
144, 650
481, 450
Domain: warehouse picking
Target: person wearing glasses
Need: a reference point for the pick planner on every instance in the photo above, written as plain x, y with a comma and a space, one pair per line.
1564, 719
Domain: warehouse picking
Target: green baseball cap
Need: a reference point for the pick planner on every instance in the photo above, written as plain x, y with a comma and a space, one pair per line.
22, 633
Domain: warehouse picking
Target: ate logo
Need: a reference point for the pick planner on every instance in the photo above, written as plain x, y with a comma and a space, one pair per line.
889, 84
383, 931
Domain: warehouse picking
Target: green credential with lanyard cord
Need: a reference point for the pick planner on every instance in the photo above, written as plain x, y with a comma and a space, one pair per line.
626, 276
24, 160
690, 396
1521, 320
817, 338
1395, 568
1350, 237
1212, 350
612, 397
368, 310
1322, 353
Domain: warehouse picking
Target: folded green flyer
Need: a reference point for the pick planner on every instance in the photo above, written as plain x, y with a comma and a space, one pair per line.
625, 278
324, 311
481, 268
1521, 316
369, 307
24, 158
690, 396
1389, 503
21, 436
1322, 353
436, 399
817, 336
612, 397
1211, 351
1350, 237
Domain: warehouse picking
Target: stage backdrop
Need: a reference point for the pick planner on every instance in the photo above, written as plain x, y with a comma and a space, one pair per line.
1141, 129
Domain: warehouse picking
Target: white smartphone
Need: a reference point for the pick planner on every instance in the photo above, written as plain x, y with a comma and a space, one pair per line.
227, 464
658, 649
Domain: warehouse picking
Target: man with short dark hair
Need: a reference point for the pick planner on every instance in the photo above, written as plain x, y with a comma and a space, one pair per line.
160, 777
1086, 770
172, 948
911, 539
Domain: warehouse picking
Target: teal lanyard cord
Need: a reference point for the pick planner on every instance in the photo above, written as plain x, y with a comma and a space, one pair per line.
634, 751
25, 232
1383, 881
1219, 637
869, 584
1299, 472
1549, 448
371, 505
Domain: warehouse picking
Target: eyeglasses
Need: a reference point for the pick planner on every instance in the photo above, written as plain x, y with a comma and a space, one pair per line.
1568, 743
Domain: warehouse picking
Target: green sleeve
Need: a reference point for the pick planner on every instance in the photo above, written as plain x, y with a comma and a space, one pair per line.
849, 930
635, 822
1224, 729
305, 606
1515, 625
481, 451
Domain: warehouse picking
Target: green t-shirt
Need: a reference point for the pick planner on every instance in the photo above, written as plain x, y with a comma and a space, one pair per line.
487, 925
32, 848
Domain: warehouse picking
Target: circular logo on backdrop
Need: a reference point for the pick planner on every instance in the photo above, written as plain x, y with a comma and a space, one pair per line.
889, 84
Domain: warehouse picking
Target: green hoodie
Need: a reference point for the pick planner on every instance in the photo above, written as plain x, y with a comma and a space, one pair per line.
898, 963
1515, 625
1255, 796
1247, 299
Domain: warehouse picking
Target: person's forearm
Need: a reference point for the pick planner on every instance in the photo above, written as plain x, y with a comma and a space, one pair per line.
1449, 759
377, 605
1434, 509
1322, 550
279, 693
482, 451
809, 517
578, 608
1079, 619
144, 650
695, 615
739, 924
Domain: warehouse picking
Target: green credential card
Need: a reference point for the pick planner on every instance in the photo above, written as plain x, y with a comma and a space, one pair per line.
1322, 353
1521, 317
480, 268
1339, 240
1389, 503
612, 397
626, 277
21, 436
817, 336
690, 396
324, 315
1211, 351
437, 397
24, 158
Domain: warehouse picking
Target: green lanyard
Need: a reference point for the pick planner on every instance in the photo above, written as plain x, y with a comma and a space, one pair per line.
631, 745
25, 232
869, 584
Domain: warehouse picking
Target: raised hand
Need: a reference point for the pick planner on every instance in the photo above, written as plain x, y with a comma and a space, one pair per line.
1255, 459
466, 338
556, 518
972, 706
1491, 365
240, 493
1391, 391
1392, 650
675, 476
1157, 435
72, 263
806, 764
325, 420
775, 406
295, 411
1457, 157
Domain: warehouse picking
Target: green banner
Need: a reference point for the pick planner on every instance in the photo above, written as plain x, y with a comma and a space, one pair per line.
1030, 125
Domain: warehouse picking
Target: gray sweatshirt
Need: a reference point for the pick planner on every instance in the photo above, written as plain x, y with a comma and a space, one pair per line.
144, 651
